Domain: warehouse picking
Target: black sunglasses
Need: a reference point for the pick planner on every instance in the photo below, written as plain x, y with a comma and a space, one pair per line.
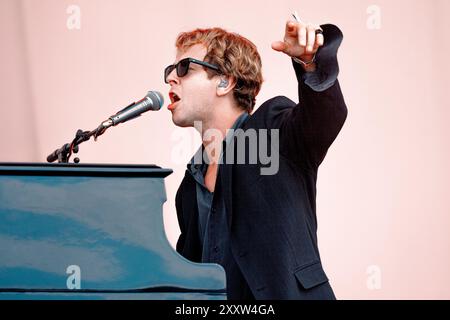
183, 67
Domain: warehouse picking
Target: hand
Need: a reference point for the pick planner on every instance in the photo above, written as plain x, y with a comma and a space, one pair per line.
300, 40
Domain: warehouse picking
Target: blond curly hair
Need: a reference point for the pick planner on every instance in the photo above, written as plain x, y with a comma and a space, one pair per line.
235, 56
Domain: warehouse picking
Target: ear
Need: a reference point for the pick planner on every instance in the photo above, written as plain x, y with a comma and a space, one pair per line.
225, 85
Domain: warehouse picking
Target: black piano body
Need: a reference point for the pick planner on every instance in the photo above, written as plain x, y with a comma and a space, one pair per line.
88, 231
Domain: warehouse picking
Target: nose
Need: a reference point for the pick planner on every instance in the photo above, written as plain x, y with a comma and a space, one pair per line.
172, 78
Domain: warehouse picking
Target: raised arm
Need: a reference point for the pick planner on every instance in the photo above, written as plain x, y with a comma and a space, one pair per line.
308, 129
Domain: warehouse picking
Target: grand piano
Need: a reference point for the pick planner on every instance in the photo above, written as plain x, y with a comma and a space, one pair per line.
88, 231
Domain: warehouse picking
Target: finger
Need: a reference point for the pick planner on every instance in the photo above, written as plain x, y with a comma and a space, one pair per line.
291, 29
311, 39
302, 36
319, 41
279, 46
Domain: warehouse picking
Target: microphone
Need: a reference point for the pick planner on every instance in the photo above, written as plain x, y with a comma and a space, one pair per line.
152, 101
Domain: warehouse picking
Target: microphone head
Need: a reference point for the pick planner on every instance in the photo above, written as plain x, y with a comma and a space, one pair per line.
157, 100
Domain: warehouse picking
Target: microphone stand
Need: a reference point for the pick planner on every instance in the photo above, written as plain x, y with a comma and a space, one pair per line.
64, 153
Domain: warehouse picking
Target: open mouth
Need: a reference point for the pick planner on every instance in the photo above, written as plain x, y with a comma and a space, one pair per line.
174, 97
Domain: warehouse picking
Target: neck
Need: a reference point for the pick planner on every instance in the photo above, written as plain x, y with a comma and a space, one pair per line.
214, 130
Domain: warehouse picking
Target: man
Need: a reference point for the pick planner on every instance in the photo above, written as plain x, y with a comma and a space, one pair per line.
261, 227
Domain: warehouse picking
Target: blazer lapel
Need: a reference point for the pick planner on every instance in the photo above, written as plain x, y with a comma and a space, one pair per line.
226, 172
226, 178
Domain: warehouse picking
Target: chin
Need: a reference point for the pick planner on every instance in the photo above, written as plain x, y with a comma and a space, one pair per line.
180, 122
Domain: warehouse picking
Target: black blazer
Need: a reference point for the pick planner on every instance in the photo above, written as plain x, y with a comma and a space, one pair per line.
272, 218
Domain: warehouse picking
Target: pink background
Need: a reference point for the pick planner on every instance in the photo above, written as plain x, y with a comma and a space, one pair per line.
382, 190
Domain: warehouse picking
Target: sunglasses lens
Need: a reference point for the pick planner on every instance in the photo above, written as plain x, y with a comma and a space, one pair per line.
183, 67
167, 71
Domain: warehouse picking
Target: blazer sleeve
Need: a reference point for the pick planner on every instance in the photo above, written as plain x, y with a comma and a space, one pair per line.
309, 129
